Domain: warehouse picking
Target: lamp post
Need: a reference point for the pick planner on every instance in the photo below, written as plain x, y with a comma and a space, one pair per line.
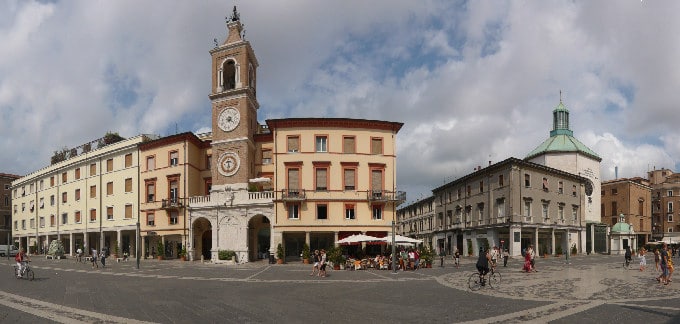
394, 249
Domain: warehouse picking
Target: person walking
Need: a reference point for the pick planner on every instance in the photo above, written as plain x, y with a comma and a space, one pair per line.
643, 260
505, 257
316, 259
102, 256
532, 257
322, 266
663, 261
79, 255
657, 258
456, 258
94, 258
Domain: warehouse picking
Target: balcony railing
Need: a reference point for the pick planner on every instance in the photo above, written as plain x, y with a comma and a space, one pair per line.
383, 196
172, 203
293, 194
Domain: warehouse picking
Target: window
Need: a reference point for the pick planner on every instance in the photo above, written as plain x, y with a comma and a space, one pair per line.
23, 224
545, 211
109, 165
150, 163
527, 180
293, 144
349, 179
321, 179
615, 191
42, 221
480, 212
377, 181
174, 191
16, 225
545, 184
377, 212
573, 190
150, 220
560, 212
293, 211
322, 143
128, 185
64, 197
128, 160
574, 213
42, 202
93, 215
93, 169
670, 206
77, 195
174, 158
128, 211
150, 192
52, 221
527, 208
376, 146
42, 185
560, 187
52, 200
267, 157
64, 218
52, 181
76, 217
93, 191
321, 211
109, 213
500, 180
109, 188
23, 207
293, 179
64, 177
349, 212
77, 173
174, 217
481, 186
32, 223
348, 144
500, 206
641, 207
670, 218
469, 190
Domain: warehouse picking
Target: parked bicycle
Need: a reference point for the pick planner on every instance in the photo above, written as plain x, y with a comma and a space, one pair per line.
26, 271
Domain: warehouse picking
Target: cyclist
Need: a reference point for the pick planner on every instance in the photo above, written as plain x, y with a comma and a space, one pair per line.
21, 258
628, 256
483, 264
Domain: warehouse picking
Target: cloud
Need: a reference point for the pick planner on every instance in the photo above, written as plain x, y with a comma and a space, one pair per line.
471, 81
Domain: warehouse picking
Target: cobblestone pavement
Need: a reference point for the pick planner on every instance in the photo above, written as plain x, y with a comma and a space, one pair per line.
592, 289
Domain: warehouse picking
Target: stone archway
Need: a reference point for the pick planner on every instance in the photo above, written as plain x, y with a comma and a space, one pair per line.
202, 238
259, 237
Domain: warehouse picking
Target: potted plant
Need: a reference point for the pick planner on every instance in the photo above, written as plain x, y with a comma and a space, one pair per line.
305, 254
183, 253
558, 251
469, 249
544, 251
427, 255
161, 250
335, 256
116, 251
279, 254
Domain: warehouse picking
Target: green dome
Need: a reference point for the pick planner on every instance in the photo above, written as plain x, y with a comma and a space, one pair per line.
622, 227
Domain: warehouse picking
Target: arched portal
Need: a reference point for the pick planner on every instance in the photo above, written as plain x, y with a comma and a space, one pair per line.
202, 238
259, 237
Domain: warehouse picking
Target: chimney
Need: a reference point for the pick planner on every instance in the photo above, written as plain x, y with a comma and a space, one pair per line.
616, 172
489, 162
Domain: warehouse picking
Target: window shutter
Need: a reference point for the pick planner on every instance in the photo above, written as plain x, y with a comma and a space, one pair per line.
349, 178
128, 185
109, 188
293, 179
321, 179
376, 146
128, 211
267, 154
294, 144
348, 145
376, 180
128, 160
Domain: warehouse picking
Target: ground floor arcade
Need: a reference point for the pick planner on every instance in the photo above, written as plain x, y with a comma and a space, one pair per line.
117, 241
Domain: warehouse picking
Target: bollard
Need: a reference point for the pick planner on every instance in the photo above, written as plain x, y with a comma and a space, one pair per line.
201, 258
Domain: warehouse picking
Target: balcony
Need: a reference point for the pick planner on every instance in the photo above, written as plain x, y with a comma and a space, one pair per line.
384, 196
291, 195
172, 203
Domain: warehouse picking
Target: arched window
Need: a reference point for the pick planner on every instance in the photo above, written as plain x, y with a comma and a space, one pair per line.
229, 75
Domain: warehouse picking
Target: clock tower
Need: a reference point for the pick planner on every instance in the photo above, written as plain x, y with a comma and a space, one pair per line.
234, 108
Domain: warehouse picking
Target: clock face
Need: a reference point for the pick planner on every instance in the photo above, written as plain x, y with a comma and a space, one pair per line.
228, 119
229, 163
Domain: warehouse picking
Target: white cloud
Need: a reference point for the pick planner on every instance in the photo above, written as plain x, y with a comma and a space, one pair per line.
472, 82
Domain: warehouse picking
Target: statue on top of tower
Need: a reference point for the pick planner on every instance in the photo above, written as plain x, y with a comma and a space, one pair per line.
234, 16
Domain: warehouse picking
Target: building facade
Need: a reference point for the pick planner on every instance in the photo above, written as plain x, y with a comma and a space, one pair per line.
510, 204
632, 199
665, 202
89, 200
6, 207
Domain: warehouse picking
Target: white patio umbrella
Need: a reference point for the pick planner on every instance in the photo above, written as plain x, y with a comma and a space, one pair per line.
357, 238
400, 239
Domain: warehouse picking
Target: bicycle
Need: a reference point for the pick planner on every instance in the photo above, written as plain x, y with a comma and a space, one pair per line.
26, 271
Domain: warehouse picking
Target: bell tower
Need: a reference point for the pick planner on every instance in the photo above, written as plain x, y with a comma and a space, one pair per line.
234, 108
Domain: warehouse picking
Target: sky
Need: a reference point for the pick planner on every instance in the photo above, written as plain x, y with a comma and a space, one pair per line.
472, 81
